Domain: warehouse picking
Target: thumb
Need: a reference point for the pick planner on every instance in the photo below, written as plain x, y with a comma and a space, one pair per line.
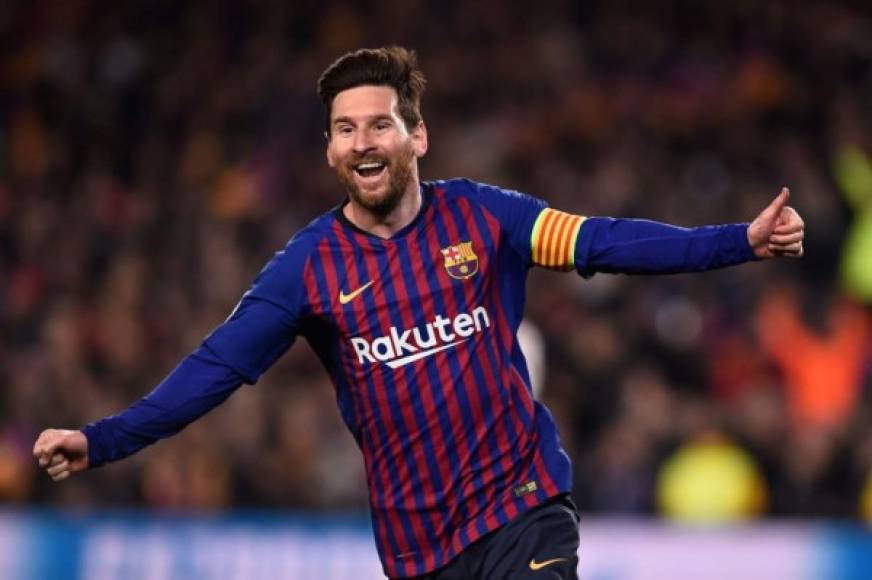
774, 208
765, 223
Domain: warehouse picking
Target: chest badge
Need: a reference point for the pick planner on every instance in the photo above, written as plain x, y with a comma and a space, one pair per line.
460, 261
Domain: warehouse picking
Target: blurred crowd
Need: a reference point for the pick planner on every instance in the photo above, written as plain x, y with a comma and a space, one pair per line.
153, 156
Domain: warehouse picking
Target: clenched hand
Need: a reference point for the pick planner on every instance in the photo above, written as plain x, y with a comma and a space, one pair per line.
61, 452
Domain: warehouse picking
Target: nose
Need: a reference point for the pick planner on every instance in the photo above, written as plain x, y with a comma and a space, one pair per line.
362, 142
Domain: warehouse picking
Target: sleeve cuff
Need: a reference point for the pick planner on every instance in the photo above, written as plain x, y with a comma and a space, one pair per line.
95, 458
739, 241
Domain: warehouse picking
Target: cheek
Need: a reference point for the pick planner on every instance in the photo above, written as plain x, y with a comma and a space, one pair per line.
399, 148
335, 156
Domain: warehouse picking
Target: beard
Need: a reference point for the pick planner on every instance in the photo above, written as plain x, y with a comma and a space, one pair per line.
399, 170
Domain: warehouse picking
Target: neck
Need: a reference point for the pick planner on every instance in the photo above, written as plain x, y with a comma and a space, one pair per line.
385, 226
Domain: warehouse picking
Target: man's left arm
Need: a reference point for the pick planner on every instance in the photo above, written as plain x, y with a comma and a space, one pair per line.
631, 246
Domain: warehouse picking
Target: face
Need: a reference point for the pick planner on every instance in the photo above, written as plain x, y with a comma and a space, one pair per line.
373, 153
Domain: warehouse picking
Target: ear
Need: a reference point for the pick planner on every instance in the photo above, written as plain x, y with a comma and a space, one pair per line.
419, 139
331, 161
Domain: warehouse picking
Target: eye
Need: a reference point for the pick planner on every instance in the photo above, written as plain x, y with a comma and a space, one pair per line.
382, 126
344, 130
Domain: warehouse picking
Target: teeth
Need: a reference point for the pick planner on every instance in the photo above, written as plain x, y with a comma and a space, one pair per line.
369, 166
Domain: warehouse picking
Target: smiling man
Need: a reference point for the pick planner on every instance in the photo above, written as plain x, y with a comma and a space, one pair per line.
372, 151
411, 294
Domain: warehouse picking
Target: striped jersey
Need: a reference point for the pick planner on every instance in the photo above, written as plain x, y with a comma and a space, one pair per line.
418, 334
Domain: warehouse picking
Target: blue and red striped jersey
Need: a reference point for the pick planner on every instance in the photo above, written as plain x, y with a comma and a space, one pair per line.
418, 334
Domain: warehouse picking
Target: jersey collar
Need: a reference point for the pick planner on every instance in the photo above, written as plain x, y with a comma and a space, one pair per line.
426, 201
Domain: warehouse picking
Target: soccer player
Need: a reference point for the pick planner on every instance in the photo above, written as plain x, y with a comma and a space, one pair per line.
411, 294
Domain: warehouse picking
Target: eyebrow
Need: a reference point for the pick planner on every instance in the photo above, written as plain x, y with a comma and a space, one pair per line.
373, 118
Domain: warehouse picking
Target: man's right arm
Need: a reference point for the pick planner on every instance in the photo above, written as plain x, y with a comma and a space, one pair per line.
257, 333
200, 383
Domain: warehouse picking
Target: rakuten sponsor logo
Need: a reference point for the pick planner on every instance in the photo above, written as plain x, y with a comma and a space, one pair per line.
401, 347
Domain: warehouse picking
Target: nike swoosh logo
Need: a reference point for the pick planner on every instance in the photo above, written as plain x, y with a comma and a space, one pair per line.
534, 565
346, 298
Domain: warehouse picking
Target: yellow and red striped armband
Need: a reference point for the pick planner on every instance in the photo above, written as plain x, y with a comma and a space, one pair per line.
553, 239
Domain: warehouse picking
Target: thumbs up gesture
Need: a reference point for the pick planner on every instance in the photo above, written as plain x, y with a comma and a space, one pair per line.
778, 230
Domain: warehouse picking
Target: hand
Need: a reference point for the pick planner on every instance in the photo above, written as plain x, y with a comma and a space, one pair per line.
778, 230
61, 452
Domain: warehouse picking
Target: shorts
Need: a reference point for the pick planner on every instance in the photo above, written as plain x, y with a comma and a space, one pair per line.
540, 544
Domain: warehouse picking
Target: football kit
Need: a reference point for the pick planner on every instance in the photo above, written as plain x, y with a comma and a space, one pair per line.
418, 335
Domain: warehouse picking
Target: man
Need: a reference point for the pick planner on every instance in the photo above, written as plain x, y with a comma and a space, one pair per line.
411, 294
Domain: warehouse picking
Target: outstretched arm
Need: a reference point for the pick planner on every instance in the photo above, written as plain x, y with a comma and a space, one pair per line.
198, 384
258, 332
633, 246
552, 239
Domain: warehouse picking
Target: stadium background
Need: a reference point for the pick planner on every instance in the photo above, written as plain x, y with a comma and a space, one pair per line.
153, 155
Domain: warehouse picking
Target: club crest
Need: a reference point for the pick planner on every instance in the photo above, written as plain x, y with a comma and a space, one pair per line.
460, 261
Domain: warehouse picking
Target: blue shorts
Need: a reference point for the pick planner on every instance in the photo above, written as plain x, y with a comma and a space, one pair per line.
540, 544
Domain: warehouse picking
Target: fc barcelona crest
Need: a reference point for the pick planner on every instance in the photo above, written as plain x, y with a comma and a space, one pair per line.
460, 261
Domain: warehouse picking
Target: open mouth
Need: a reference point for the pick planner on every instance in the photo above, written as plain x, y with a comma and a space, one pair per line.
370, 168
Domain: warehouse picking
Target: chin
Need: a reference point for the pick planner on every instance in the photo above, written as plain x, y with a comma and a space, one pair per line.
381, 202
375, 195
381, 199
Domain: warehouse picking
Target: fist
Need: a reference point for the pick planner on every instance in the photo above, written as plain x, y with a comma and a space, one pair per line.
61, 452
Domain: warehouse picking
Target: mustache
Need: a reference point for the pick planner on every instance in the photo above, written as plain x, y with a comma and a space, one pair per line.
368, 158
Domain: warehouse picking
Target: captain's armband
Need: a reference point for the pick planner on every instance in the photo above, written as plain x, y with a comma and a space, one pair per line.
553, 239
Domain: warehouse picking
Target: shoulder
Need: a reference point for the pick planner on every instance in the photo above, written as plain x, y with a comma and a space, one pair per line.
493, 197
286, 268
303, 243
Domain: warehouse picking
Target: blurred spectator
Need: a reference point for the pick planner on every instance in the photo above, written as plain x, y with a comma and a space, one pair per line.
710, 480
854, 173
824, 365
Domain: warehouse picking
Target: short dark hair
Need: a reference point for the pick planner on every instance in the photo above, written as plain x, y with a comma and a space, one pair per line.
392, 66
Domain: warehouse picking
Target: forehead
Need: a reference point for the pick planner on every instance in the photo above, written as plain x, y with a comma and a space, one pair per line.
365, 101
